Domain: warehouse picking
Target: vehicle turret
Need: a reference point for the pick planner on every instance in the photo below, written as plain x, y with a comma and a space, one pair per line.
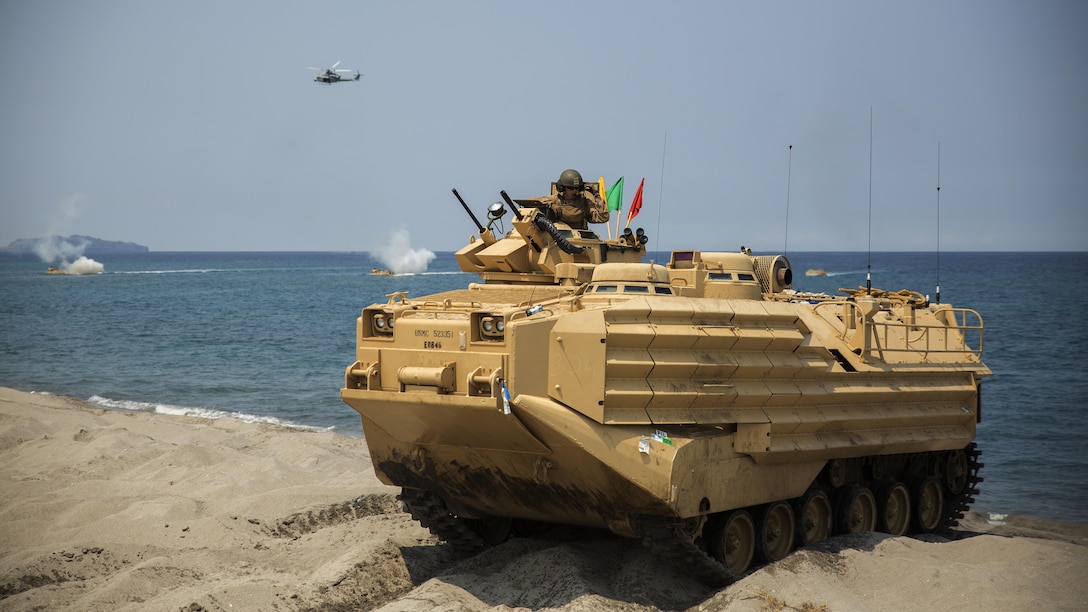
539, 250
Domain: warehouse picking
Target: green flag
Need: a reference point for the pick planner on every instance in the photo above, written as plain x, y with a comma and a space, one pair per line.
615, 196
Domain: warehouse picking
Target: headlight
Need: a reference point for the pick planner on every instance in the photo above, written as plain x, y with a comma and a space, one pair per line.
492, 327
382, 323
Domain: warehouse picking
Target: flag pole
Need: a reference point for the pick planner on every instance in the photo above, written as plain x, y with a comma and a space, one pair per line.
615, 191
619, 213
636, 205
603, 193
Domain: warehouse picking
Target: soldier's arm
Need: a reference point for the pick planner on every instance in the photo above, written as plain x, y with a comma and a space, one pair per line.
549, 204
598, 209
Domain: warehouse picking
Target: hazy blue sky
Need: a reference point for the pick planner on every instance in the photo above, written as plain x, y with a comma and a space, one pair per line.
196, 126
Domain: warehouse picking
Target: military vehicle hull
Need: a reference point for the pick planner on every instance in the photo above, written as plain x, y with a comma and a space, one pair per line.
721, 430
664, 430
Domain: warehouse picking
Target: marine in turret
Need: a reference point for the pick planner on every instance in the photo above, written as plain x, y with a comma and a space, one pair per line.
574, 202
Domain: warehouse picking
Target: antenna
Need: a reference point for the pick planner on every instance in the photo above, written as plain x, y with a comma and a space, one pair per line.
938, 222
789, 175
869, 264
661, 189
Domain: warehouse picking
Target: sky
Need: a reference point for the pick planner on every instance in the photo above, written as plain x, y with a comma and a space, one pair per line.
779, 125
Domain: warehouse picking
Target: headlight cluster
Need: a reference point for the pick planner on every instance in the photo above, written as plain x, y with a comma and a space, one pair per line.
383, 323
492, 327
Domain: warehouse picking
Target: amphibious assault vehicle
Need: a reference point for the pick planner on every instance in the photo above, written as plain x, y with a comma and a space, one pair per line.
703, 406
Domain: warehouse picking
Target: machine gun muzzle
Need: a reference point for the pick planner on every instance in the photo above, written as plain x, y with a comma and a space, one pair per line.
485, 232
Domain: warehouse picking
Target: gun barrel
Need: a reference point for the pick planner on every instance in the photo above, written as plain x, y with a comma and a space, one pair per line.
509, 202
479, 226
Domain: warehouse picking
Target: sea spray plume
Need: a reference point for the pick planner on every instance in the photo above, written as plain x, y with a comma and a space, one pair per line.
55, 248
70, 209
398, 255
84, 265
65, 250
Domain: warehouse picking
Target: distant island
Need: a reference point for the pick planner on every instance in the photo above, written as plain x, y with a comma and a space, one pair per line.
85, 245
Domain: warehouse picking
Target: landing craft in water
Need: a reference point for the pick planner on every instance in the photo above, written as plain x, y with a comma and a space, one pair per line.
703, 406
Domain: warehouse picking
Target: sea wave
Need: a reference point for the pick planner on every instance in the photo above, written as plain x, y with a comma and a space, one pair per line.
405, 274
203, 413
244, 270
193, 271
845, 273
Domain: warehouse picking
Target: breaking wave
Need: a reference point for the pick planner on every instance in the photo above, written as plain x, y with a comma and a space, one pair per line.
203, 413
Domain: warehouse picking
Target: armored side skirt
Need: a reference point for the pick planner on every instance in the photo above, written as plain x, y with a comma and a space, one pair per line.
544, 461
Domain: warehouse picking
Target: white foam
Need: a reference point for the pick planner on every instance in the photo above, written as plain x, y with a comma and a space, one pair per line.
203, 413
84, 265
845, 273
195, 271
399, 256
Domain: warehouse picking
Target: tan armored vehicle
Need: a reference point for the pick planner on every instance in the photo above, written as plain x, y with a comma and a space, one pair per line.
703, 406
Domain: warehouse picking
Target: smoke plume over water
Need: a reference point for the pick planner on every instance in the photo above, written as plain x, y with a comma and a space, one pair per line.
67, 251
70, 255
84, 265
399, 257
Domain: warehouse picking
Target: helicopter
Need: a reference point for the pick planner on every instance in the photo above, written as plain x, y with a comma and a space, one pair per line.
330, 75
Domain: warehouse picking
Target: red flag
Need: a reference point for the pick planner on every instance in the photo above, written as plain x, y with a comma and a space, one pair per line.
636, 204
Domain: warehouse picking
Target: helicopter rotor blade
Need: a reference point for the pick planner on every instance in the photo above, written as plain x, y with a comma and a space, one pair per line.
334, 65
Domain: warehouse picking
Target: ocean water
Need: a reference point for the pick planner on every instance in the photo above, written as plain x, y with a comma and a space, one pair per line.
266, 337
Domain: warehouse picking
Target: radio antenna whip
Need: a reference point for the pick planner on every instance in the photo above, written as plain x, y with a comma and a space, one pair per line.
660, 191
789, 176
869, 264
938, 222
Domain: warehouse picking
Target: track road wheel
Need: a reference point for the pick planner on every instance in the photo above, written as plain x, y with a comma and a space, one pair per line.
893, 508
856, 510
956, 471
492, 530
813, 517
432, 513
928, 503
733, 541
775, 535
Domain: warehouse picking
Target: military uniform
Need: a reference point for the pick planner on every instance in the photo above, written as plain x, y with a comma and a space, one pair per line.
579, 212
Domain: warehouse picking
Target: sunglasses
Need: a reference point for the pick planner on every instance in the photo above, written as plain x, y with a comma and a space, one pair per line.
561, 189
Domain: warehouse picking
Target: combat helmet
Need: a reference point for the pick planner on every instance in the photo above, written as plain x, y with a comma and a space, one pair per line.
570, 178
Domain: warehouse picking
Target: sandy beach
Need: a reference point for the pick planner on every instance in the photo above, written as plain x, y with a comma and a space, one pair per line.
107, 510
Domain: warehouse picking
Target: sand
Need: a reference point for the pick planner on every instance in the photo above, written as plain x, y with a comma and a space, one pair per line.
107, 510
